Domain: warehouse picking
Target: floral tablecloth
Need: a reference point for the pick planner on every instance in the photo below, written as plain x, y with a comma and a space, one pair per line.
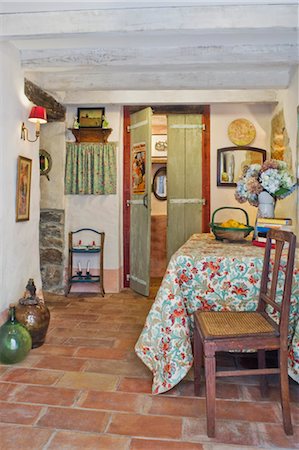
210, 275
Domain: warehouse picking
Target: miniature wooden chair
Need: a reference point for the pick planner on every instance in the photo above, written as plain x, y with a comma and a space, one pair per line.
237, 331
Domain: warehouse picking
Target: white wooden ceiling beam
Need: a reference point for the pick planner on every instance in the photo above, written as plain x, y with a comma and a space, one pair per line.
230, 78
171, 18
71, 58
160, 97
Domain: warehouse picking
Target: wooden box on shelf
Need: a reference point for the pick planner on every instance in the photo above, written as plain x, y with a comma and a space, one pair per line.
92, 134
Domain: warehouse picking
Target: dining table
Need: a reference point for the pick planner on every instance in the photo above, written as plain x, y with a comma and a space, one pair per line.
206, 274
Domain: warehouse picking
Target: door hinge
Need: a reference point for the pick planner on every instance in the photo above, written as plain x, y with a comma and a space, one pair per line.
201, 126
128, 277
128, 129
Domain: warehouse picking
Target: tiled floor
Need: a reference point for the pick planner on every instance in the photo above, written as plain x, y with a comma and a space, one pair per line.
85, 388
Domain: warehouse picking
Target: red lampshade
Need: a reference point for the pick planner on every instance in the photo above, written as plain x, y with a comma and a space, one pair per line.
38, 114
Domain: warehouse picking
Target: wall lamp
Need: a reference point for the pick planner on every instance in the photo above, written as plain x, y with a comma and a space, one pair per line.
37, 115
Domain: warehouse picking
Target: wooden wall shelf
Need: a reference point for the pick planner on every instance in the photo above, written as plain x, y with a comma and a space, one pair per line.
92, 134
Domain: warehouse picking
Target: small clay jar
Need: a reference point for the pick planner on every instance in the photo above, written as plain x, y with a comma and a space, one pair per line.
34, 315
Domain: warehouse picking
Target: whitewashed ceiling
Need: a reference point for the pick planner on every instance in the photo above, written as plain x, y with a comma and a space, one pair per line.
200, 45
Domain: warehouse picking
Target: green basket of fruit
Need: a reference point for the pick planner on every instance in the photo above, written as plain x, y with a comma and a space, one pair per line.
231, 229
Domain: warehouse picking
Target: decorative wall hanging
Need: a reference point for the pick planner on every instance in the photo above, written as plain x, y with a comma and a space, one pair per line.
45, 163
138, 168
232, 161
160, 184
23, 188
91, 117
159, 146
241, 132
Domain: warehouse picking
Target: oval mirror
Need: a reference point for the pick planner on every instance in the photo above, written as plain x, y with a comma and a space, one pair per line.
160, 184
45, 163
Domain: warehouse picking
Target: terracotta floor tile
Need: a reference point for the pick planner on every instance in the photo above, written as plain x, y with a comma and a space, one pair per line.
30, 361
74, 419
249, 411
113, 401
66, 440
56, 350
138, 385
86, 342
101, 353
45, 395
147, 426
95, 326
85, 380
83, 333
227, 432
254, 393
32, 376
6, 389
272, 436
118, 367
61, 363
146, 444
22, 437
55, 340
125, 343
171, 406
117, 394
18, 414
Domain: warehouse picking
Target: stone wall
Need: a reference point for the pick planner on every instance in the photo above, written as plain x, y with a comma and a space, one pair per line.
52, 249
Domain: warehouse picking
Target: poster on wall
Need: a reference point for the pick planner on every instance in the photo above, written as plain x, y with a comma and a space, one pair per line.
23, 188
138, 168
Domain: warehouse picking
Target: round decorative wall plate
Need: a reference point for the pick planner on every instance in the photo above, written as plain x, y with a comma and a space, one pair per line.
241, 132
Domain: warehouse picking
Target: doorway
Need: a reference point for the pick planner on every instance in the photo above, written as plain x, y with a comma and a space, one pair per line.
160, 113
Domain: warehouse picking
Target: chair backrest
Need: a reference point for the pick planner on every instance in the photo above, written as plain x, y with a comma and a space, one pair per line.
279, 257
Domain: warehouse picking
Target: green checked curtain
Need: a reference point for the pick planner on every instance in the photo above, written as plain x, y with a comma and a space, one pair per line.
90, 169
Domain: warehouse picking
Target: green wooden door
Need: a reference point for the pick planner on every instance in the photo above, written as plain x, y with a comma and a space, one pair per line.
184, 179
140, 203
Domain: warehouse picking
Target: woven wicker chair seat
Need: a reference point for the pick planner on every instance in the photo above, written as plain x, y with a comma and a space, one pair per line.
229, 323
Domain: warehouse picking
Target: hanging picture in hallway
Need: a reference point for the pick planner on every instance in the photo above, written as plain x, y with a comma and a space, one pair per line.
138, 168
23, 188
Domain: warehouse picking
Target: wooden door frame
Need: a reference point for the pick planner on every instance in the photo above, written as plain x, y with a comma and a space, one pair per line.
206, 182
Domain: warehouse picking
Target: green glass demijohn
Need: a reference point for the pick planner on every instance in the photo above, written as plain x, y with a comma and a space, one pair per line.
15, 340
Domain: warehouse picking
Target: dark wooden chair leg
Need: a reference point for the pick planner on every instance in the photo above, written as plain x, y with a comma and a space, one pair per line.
210, 375
198, 358
284, 393
261, 357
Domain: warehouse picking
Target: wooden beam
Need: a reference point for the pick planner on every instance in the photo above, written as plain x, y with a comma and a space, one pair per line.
168, 97
64, 23
55, 111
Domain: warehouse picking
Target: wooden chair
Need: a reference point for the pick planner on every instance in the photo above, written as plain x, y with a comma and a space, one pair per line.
237, 331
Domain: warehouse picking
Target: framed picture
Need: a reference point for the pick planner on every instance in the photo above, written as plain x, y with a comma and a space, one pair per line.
91, 117
159, 146
23, 188
138, 168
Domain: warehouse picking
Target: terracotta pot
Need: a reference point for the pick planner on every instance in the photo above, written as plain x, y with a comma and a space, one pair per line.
34, 315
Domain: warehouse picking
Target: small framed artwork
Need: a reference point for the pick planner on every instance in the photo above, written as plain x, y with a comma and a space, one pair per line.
159, 145
91, 117
23, 188
138, 168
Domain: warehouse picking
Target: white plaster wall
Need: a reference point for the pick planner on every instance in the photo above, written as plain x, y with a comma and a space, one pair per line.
19, 241
101, 212
221, 116
53, 141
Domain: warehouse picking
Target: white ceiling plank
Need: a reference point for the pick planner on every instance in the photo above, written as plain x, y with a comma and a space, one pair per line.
197, 97
137, 46
63, 23
158, 55
203, 79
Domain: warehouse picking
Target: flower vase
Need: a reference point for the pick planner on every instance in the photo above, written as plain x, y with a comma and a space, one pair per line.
266, 205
